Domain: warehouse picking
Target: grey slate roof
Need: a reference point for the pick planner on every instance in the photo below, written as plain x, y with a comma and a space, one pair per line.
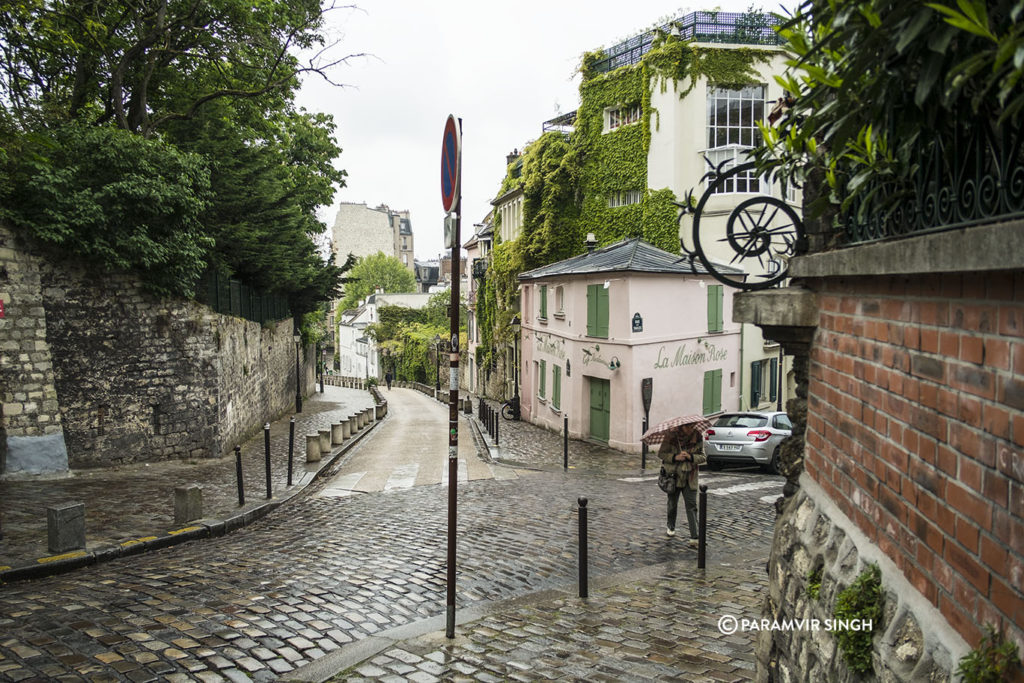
631, 255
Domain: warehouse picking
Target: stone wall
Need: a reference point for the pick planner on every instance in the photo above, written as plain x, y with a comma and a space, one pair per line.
31, 435
122, 376
912, 642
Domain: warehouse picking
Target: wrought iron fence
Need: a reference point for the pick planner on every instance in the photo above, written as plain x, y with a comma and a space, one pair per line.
746, 28
231, 297
973, 175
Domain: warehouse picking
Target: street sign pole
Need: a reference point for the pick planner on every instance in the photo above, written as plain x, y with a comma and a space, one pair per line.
451, 196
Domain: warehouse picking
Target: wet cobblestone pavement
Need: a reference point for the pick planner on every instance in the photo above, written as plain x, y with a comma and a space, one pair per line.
319, 576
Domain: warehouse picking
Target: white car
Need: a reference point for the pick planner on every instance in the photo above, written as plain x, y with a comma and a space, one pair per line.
747, 438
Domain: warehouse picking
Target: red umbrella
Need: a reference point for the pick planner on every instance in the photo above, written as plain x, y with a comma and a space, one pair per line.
658, 432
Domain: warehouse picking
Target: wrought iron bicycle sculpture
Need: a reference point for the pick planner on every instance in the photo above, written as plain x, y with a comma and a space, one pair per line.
762, 232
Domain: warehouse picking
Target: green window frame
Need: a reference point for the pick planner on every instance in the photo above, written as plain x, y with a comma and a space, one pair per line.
556, 387
543, 302
712, 391
773, 375
597, 311
542, 383
716, 299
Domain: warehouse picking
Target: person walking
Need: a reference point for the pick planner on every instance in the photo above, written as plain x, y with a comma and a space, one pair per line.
387, 378
682, 454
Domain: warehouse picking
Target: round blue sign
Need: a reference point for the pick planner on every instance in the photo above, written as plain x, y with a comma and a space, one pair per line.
451, 158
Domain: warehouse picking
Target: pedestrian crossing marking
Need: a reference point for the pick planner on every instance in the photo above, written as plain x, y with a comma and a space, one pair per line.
740, 488
343, 486
463, 472
402, 477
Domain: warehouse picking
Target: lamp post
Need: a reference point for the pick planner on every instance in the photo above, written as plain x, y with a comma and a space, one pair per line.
516, 322
437, 362
298, 383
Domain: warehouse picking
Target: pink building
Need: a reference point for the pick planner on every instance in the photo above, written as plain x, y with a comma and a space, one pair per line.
595, 326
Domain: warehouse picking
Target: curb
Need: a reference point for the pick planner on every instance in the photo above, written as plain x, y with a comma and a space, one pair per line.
196, 530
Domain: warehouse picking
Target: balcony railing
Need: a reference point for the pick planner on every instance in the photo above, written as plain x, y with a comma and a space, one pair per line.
971, 176
746, 28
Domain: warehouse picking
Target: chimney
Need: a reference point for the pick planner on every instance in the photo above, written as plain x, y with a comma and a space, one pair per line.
591, 242
509, 158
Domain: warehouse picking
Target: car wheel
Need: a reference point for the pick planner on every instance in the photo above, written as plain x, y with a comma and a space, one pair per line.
773, 466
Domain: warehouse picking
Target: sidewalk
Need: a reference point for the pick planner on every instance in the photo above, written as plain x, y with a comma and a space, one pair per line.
130, 508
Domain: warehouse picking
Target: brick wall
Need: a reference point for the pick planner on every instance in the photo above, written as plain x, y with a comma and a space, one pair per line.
915, 428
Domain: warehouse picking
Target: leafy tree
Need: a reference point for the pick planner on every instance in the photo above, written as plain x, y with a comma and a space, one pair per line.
377, 270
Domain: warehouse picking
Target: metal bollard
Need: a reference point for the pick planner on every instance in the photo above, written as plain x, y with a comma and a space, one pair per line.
497, 419
702, 525
238, 474
584, 592
291, 448
643, 447
266, 459
565, 442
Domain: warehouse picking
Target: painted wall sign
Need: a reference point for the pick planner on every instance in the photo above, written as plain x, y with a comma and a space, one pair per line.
551, 346
638, 323
685, 356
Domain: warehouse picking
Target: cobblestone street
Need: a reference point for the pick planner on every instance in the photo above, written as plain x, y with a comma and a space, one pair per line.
323, 573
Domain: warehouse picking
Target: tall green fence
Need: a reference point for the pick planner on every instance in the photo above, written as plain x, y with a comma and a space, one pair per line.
231, 297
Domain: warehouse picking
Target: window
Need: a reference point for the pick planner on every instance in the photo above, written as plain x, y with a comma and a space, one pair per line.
559, 300
616, 117
732, 118
625, 198
716, 297
773, 379
543, 302
712, 391
755, 383
556, 387
542, 382
597, 311
781, 422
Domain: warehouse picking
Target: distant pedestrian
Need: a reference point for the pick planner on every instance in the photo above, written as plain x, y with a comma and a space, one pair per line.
387, 378
682, 453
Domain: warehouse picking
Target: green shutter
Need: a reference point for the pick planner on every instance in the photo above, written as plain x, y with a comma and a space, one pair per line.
716, 296
755, 383
602, 312
543, 378
543, 301
716, 391
556, 387
592, 310
708, 386
773, 373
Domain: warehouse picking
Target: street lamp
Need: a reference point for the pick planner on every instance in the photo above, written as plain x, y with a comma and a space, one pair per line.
437, 362
516, 322
298, 384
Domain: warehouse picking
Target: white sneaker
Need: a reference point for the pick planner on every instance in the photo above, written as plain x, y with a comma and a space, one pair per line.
670, 532
692, 543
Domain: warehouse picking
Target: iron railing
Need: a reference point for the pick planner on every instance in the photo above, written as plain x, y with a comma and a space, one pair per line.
746, 28
231, 297
972, 175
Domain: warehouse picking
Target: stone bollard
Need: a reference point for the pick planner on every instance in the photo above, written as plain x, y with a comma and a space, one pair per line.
188, 503
325, 441
353, 424
363, 418
346, 429
378, 411
312, 448
337, 436
371, 415
65, 527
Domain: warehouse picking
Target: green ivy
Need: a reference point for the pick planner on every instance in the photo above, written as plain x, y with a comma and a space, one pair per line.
994, 660
861, 601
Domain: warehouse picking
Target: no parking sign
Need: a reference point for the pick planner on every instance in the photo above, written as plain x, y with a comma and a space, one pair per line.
451, 162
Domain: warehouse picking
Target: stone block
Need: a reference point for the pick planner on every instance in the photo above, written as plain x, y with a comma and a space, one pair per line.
353, 424
188, 503
346, 429
337, 435
65, 527
312, 448
325, 441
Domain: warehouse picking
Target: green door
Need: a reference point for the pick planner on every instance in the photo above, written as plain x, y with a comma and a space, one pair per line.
600, 408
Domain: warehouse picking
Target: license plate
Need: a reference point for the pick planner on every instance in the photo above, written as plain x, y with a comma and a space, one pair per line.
728, 447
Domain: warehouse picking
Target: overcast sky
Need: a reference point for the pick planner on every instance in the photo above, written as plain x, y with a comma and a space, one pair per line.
503, 67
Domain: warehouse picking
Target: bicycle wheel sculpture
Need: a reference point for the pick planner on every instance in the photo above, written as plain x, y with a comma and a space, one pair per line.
757, 239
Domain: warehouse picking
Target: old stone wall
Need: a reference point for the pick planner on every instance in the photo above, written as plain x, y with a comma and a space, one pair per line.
816, 543
122, 376
31, 435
